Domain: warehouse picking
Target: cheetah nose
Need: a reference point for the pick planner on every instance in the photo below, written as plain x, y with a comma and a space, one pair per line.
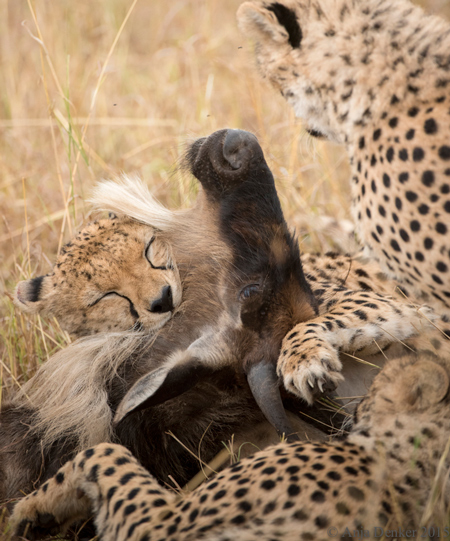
164, 303
239, 147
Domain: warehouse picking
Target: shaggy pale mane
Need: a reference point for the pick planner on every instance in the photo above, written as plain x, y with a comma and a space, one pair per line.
69, 392
128, 195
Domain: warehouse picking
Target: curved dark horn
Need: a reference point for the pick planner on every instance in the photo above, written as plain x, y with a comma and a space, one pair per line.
263, 382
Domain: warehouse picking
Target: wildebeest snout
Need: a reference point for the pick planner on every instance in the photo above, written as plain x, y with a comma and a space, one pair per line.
239, 147
225, 160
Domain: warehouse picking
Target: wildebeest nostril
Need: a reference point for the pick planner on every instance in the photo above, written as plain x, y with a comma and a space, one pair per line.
164, 303
237, 147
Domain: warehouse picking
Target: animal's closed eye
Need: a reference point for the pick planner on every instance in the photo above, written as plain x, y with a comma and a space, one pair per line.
133, 310
103, 297
249, 291
155, 256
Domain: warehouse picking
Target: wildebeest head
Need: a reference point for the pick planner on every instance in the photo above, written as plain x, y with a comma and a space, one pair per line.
262, 290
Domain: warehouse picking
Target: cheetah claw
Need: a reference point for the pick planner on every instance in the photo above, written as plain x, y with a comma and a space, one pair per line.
310, 378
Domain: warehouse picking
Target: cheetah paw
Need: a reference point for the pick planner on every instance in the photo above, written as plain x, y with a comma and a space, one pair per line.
35, 525
311, 375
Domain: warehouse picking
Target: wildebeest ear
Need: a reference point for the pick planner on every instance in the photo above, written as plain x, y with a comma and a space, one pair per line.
275, 21
29, 294
162, 384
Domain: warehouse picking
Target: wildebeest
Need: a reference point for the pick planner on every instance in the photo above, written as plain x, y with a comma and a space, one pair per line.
243, 290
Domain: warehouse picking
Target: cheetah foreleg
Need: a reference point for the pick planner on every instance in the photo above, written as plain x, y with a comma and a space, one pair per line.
52, 508
360, 321
106, 482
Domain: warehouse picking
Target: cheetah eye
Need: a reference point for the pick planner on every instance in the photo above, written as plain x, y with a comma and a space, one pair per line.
156, 255
133, 310
110, 294
249, 291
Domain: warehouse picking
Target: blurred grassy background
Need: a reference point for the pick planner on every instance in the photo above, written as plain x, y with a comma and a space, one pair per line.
89, 89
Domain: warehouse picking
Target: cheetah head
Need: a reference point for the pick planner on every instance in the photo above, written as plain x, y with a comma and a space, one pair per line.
335, 61
409, 393
116, 274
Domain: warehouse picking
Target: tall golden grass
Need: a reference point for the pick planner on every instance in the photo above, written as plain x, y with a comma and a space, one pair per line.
91, 89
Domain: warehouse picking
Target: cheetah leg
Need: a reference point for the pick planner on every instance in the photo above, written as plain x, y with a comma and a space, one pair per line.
53, 507
103, 482
360, 321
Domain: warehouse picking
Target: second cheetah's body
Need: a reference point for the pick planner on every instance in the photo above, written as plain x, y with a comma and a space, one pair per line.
374, 75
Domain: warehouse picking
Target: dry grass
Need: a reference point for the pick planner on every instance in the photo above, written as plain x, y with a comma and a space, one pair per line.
87, 93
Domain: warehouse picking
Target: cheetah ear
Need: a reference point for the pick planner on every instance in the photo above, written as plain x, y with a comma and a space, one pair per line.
162, 384
423, 384
30, 294
275, 22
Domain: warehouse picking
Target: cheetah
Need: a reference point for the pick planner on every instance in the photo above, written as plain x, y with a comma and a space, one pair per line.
373, 75
379, 478
116, 274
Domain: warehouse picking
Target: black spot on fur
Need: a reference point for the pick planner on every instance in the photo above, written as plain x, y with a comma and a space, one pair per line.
395, 245
428, 178
286, 17
430, 126
419, 154
441, 228
89, 452
129, 509
93, 474
268, 485
117, 506
126, 478
111, 492
122, 460
59, 478
318, 496
356, 493
444, 152
300, 515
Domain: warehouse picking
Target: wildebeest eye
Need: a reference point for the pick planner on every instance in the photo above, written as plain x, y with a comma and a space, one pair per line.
249, 291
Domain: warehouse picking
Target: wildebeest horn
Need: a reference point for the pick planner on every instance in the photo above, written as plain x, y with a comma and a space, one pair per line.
263, 383
160, 385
